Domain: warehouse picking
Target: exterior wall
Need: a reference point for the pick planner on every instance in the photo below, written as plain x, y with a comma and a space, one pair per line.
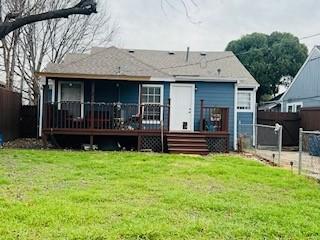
244, 119
215, 95
306, 85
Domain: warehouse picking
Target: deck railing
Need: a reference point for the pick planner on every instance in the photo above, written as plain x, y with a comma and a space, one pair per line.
213, 119
106, 116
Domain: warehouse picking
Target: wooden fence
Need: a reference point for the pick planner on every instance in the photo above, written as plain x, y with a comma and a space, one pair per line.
10, 107
28, 121
289, 121
310, 119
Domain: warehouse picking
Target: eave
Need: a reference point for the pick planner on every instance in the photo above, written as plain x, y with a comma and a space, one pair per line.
92, 76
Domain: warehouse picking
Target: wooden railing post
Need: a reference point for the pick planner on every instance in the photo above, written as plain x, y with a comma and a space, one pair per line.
201, 114
140, 116
169, 107
225, 119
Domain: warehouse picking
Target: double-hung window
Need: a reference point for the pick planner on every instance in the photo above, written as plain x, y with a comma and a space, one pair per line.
245, 101
151, 100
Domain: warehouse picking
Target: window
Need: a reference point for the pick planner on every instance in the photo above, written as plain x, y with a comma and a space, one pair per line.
294, 107
151, 98
71, 98
51, 91
245, 101
298, 108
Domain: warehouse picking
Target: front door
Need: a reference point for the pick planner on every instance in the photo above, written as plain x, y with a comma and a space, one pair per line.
182, 107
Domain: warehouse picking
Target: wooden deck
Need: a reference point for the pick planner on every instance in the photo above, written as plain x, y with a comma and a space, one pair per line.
135, 120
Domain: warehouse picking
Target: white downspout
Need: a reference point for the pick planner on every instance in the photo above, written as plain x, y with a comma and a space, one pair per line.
41, 108
235, 128
254, 116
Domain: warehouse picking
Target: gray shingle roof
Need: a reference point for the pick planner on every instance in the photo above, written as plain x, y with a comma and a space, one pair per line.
154, 63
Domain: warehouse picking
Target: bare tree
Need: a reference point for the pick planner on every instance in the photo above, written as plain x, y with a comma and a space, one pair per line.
27, 50
51, 40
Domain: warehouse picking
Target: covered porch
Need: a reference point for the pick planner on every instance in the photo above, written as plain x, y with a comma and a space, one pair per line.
122, 108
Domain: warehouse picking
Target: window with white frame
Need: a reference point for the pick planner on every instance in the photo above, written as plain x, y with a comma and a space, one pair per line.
245, 99
152, 99
294, 107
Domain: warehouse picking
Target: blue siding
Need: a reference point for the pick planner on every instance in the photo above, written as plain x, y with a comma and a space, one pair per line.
243, 119
215, 95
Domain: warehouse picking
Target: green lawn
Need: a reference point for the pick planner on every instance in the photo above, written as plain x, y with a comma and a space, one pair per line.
83, 195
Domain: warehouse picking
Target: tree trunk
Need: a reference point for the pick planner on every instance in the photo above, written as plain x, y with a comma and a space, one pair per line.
11, 23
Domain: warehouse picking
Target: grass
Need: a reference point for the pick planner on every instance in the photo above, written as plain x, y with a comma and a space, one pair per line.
81, 195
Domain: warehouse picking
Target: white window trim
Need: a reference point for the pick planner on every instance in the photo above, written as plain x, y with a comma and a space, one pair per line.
161, 102
252, 103
82, 94
294, 106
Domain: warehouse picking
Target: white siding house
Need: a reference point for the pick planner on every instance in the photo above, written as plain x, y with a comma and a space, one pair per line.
304, 90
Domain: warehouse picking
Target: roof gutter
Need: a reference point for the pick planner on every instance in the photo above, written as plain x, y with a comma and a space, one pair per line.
92, 76
205, 79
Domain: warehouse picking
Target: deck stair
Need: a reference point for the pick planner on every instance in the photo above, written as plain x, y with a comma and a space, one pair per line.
187, 143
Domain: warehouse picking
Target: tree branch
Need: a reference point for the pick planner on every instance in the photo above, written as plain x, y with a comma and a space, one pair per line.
84, 7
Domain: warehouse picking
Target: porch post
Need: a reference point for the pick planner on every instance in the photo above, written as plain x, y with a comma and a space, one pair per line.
201, 114
92, 111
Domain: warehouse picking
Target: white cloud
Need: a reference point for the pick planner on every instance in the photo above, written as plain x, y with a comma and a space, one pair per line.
144, 24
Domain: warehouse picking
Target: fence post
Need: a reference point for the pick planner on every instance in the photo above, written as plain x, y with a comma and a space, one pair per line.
256, 138
300, 150
280, 144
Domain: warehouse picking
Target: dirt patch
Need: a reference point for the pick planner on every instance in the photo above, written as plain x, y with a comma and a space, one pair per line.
26, 143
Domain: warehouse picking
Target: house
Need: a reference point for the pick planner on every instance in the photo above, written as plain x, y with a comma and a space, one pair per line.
273, 105
304, 90
179, 101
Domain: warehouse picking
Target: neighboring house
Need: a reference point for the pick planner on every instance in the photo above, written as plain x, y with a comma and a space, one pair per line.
179, 101
304, 90
271, 106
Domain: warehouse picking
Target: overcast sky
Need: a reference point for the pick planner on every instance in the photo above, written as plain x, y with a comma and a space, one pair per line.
145, 24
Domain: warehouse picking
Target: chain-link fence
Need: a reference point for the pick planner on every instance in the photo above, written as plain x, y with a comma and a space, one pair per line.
309, 153
262, 140
266, 142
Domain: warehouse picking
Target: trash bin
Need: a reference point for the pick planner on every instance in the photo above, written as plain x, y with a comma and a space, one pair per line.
314, 145
1, 139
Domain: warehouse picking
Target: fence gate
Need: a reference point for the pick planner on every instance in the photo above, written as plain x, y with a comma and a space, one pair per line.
262, 140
